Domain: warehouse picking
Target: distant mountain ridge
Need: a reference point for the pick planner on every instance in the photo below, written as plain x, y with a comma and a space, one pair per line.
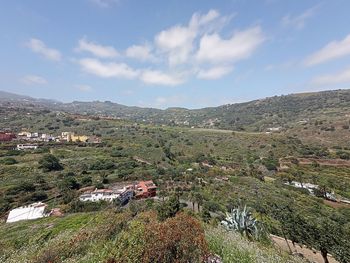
252, 115
8, 96
11, 96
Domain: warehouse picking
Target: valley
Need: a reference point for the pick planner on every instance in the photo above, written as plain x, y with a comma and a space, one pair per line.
216, 168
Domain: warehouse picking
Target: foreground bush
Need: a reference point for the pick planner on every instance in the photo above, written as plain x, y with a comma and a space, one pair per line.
178, 239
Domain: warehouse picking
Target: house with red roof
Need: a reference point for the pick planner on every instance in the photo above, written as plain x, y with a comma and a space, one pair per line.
145, 189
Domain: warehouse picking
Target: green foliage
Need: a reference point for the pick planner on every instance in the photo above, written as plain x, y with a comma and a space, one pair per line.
50, 163
242, 221
86, 181
232, 247
271, 162
103, 164
9, 161
168, 208
79, 206
178, 239
25, 186
205, 215
38, 196
69, 183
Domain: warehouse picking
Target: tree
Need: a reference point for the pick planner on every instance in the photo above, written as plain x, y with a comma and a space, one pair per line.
205, 214
69, 183
293, 224
320, 233
323, 236
169, 208
87, 180
192, 198
198, 198
298, 175
50, 163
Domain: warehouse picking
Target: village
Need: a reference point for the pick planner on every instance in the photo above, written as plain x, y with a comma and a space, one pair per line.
29, 140
116, 196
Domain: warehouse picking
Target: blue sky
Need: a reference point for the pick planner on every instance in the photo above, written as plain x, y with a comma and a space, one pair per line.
192, 53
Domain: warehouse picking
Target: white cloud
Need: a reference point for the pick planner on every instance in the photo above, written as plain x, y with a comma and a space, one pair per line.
38, 46
195, 49
178, 41
107, 70
104, 3
33, 80
329, 79
298, 22
156, 77
140, 52
96, 49
198, 20
214, 73
241, 45
84, 88
333, 50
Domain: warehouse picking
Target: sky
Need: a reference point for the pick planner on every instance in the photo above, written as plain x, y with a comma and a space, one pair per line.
184, 53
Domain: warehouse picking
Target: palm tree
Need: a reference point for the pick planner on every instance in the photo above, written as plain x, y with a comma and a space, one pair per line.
198, 199
192, 199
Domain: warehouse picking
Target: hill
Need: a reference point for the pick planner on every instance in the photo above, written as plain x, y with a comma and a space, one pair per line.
257, 115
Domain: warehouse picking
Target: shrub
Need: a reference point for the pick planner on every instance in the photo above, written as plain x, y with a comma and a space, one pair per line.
242, 221
9, 161
38, 196
179, 239
169, 208
49, 163
102, 165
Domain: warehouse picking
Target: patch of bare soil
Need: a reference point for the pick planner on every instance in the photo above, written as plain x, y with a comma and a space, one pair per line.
311, 255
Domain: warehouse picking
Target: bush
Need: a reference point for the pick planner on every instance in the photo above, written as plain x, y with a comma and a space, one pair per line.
38, 196
22, 187
343, 155
102, 165
9, 161
13, 153
169, 208
79, 206
69, 183
86, 181
179, 239
50, 163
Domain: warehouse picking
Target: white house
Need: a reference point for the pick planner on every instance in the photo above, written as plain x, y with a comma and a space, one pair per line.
33, 211
107, 195
274, 129
311, 188
26, 147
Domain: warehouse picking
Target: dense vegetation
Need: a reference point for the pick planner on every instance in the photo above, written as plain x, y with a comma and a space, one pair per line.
204, 172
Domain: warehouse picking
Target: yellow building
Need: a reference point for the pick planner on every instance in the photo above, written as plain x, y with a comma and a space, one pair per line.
71, 137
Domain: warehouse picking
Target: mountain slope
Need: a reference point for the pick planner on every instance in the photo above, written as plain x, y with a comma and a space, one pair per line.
255, 115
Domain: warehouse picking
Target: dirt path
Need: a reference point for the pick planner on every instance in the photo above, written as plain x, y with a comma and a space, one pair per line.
308, 253
224, 131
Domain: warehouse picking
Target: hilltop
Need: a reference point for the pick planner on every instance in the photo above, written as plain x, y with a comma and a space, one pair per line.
257, 115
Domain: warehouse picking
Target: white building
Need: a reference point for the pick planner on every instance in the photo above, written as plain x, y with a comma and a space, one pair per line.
274, 129
33, 211
26, 147
311, 188
107, 195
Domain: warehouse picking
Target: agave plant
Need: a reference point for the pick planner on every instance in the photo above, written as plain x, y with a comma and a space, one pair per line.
242, 221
